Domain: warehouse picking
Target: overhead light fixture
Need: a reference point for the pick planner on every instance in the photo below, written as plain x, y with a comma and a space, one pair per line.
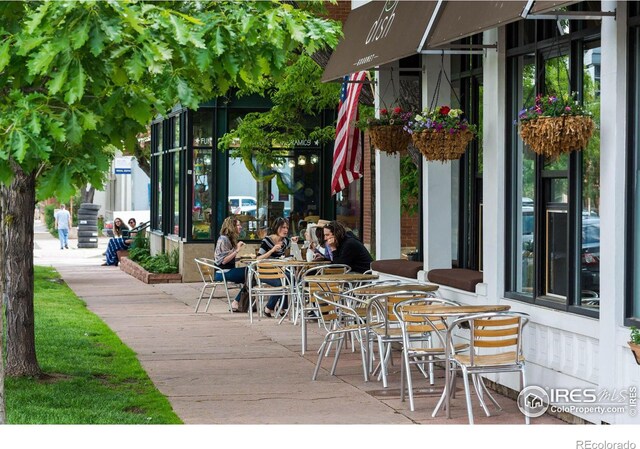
292, 163
314, 159
302, 160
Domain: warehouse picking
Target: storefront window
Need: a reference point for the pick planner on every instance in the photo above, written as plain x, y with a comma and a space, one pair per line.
348, 207
203, 128
156, 175
633, 277
289, 188
159, 191
590, 235
524, 186
554, 234
202, 184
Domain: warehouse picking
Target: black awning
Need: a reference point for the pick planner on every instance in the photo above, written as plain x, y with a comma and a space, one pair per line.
378, 33
459, 19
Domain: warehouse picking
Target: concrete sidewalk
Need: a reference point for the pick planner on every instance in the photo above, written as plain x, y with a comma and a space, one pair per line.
216, 368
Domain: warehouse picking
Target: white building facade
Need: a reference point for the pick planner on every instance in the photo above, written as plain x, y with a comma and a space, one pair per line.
555, 238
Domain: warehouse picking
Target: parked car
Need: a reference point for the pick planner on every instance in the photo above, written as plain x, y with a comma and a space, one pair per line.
589, 254
242, 205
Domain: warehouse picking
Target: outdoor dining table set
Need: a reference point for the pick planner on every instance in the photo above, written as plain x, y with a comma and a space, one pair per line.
470, 339
361, 309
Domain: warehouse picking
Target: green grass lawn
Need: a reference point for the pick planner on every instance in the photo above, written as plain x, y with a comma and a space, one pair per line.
92, 377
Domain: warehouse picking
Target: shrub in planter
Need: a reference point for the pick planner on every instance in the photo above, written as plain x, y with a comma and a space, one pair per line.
634, 343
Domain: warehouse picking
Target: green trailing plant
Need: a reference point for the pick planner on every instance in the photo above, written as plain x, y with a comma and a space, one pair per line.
409, 185
263, 139
635, 335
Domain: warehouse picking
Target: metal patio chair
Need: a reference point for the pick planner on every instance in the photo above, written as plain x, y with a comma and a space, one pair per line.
495, 340
208, 270
340, 320
307, 301
423, 340
259, 274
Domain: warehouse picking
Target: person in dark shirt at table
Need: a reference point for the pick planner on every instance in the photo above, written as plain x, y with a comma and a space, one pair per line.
343, 247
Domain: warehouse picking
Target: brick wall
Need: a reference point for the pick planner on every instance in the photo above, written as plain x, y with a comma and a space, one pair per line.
409, 232
339, 11
368, 198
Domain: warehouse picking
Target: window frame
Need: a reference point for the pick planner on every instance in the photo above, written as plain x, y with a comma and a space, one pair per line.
632, 316
545, 45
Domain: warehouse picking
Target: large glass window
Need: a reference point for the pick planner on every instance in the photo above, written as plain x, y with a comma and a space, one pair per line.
553, 228
349, 207
289, 188
156, 175
202, 175
177, 156
633, 232
202, 185
466, 174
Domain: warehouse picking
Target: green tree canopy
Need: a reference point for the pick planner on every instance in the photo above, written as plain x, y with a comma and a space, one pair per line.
76, 76
79, 78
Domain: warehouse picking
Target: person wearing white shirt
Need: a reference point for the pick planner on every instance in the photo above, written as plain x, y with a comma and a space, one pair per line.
63, 224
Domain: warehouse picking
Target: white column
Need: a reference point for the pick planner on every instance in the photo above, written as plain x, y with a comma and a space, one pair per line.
493, 178
436, 179
387, 169
613, 146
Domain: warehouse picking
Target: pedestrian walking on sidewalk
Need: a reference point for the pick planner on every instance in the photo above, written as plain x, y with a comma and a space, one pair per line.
63, 224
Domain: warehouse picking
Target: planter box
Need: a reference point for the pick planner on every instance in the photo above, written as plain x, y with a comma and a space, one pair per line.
635, 349
135, 270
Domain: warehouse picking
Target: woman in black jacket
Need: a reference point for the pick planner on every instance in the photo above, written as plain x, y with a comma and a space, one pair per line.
344, 248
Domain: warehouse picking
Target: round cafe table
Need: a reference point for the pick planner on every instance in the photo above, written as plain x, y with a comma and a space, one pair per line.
393, 288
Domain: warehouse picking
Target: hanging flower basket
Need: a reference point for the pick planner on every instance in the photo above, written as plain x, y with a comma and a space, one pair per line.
553, 136
387, 131
555, 125
442, 145
441, 134
390, 138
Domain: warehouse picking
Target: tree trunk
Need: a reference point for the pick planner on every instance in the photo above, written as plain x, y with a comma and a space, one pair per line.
2, 407
88, 193
17, 202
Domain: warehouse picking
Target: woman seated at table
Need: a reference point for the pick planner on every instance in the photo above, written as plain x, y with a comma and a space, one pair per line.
344, 248
314, 242
273, 246
227, 248
119, 242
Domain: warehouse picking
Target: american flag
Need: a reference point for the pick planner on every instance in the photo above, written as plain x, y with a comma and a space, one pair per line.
347, 160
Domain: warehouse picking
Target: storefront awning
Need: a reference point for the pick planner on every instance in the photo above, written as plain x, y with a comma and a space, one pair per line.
380, 32
459, 19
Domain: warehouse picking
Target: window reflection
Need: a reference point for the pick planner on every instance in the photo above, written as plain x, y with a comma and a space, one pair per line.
348, 207
590, 246
201, 207
525, 229
288, 188
176, 194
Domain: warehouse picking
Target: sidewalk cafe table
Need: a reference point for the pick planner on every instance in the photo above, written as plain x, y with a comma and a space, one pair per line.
455, 312
393, 288
295, 269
